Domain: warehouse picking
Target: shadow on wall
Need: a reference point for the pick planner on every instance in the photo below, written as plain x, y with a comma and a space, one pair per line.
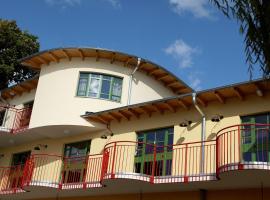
187, 129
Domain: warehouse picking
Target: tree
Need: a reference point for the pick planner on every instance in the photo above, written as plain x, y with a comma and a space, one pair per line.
254, 19
15, 44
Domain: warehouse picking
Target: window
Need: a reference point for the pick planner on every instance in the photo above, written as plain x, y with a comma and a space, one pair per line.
162, 139
20, 158
75, 158
255, 138
2, 116
77, 149
100, 86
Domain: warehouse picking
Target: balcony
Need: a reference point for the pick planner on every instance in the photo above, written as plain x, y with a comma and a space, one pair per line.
236, 150
13, 120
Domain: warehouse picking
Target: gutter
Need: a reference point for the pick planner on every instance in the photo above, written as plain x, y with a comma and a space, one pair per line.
203, 132
131, 79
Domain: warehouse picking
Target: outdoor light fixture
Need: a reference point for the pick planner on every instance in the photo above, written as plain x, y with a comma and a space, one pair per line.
185, 123
217, 118
1, 156
39, 146
105, 136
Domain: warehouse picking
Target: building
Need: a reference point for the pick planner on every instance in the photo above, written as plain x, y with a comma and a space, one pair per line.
100, 124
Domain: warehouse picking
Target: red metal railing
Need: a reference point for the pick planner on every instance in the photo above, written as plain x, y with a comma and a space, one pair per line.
244, 146
14, 120
176, 163
236, 147
11, 179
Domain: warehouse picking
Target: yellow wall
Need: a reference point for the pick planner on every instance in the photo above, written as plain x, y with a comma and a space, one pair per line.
56, 102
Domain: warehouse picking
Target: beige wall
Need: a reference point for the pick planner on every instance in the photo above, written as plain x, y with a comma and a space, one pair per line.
126, 130
56, 102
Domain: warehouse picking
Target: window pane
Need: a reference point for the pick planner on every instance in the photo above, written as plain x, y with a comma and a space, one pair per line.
105, 88
247, 156
82, 85
117, 87
93, 87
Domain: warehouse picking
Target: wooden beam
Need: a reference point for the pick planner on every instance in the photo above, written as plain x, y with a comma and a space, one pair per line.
182, 103
259, 90
147, 111
127, 61
44, 61
219, 97
124, 114
135, 113
169, 107
163, 77
172, 83
97, 55
26, 87
158, 109
150, 73
54, 57
34, 64
81, 54
114, 116
202, 102
113, 57
104, 119
66, 54
97, 119
238, 93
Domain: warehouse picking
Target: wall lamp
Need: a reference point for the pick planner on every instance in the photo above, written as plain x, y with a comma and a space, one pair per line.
40, 146
185, 123
1, 156
106, 136
217, 118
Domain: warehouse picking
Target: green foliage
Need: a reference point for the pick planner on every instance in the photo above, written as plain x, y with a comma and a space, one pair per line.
15, 44
254, 19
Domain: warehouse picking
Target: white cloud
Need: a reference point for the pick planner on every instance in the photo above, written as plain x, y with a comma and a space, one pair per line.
199, 8
115, 3
63, 3
182, 52
195, 81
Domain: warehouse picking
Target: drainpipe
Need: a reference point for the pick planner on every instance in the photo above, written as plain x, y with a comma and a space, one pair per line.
203, 133
130, 80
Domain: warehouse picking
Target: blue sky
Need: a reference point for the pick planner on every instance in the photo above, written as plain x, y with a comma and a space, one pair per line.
188, 37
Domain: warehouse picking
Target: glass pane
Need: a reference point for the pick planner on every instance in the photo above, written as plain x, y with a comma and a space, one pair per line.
105, 88
262, 156
170, 142
117, 87
93, 87
114, 98
82, 86
77, 149
168, 167
247, 156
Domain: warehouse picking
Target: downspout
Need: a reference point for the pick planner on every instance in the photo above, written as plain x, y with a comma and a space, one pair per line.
131, 79
203, 133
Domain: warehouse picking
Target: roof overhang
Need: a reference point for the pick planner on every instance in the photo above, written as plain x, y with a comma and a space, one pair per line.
36, 61
221, 94
18, 89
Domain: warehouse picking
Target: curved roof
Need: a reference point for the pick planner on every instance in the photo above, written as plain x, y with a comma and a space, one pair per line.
159, 73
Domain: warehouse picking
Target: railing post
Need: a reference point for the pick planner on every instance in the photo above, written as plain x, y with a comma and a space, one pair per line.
63, 176
152, 178
86, 169
240, 166
113, 161
217, 157
104, 167
185, 170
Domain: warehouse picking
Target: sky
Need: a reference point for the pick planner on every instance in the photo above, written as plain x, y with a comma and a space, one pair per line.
190, 38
